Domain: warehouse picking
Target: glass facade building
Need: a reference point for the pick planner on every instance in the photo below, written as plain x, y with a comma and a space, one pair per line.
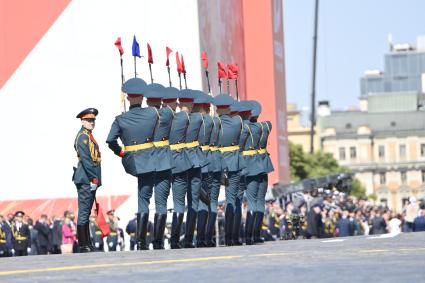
402, 72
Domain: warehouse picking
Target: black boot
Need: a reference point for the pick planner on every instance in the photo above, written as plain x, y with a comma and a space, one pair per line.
90, 242
200, 229
249, 225
176, 227
228, 227
258, 223
82, 239
141, 231
190, 230
209, 235
237, 228
158, 232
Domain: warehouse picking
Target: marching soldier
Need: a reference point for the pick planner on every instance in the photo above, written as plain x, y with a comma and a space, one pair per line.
250, 138
87, 176
21, 235
267, 167
96, 234
112, 239
228, 143
215, 169
197, 160
181, 163
163, 160
136, 129
202, 105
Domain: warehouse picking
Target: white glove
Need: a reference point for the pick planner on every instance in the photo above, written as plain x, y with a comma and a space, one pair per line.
93, 187
28, 250
111, 244
96, 245
12, 251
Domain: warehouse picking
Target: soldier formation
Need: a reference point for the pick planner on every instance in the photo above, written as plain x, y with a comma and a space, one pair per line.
176, 144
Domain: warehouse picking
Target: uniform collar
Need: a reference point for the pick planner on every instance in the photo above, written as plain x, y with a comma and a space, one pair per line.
84, 129
135, 106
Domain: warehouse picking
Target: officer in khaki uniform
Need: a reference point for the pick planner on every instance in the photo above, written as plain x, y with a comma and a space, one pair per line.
87, 175
136, 130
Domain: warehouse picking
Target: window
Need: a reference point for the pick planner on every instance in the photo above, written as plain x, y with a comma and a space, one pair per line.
402, 150
353, 153
381, 151
423, 176
422, 149
382, 179
404, 177
342, 153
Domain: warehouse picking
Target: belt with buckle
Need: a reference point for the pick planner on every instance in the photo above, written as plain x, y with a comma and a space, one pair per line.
137, 147
228, 148
250, 152
192, 144
177, 146
161, 143
205, 147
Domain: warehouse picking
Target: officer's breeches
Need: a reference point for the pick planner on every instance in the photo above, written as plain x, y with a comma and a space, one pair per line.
193, 189
232, 190
179, 188
145, 188
85, 203
214, 190
262, 190
206, 185
162, 190
252, 187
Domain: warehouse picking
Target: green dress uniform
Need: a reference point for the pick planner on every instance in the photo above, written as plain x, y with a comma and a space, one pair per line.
204, 101
228, 144
96, 236
181, 166
163, 161
266, 167
197, 159
215, 169
87, 178
136, 130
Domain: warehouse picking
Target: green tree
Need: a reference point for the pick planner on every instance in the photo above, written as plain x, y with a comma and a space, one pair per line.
304, 165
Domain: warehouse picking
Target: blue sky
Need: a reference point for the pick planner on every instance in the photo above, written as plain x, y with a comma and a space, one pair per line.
352, 38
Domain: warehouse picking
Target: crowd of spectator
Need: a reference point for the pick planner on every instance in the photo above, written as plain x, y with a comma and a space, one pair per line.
299, 217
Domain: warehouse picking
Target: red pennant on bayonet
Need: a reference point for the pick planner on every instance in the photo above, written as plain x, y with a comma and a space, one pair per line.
204, 57
182, 65
168, 50
150, 57
232, 71
178, 63
221, 70
118, 45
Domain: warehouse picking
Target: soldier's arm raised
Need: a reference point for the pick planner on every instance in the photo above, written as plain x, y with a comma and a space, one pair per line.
112, 139
85, 157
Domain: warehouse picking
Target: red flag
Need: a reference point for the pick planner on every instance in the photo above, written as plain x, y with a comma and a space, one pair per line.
150, 57
204, 57
179, 64
221, 70
168, 50
232, 71
182, 65
118, 45
100, 220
